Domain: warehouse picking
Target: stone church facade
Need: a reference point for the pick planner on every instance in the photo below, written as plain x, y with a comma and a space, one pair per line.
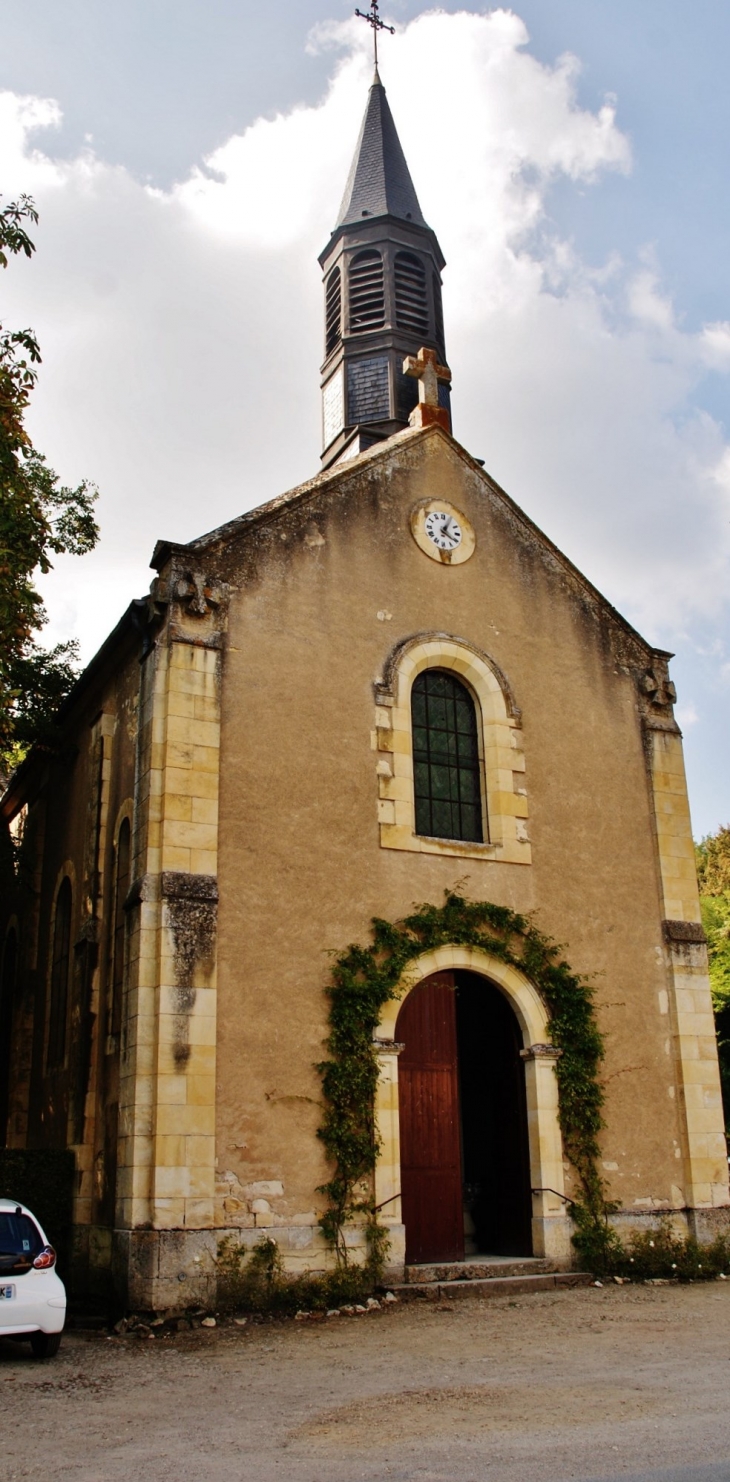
384, 685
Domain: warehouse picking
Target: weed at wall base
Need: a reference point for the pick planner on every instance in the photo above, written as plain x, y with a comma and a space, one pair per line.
255, 1281
651, 1255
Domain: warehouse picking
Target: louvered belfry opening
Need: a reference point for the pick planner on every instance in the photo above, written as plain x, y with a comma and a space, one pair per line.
333, 311
411, 299
367, 292
438, 310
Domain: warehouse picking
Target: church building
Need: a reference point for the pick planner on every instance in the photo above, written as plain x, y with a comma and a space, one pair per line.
381, 688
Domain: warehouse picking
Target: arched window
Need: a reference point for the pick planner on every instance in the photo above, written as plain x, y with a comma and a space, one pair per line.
446, 765
367, 293
332, 311
7, 997
411, 301
490, 748
120, 894
60, 964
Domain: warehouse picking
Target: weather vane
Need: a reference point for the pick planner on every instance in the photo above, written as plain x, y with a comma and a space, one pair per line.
373, 19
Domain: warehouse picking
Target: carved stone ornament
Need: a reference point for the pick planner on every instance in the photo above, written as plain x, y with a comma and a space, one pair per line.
541, 1052
197, 594
158, 600
657, 694
185, 604
429, 374
191, 604
659, 689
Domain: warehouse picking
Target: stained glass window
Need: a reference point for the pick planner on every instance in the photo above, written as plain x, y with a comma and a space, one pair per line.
446, 764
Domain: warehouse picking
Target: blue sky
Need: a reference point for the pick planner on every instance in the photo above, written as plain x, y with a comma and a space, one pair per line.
620, 257
158, 85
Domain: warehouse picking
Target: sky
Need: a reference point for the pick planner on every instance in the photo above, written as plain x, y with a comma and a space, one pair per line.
188, 162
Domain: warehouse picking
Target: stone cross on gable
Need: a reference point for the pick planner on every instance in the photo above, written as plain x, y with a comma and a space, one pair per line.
426, 368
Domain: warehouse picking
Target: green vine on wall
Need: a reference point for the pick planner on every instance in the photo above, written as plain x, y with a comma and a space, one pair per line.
365, 978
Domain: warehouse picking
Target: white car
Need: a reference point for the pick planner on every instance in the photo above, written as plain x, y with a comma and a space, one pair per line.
32, 1295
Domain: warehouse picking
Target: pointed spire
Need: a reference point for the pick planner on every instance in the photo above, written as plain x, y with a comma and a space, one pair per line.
382, 279
379, 183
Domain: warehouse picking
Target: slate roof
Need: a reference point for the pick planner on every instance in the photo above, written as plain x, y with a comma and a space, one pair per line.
379, 183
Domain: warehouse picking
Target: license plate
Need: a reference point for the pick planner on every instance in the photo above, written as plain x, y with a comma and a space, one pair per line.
7, 1293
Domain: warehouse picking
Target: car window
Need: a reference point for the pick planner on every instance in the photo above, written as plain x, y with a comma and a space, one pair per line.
20, 1242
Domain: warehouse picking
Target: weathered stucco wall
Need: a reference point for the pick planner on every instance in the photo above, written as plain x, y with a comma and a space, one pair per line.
262, 752
322, 592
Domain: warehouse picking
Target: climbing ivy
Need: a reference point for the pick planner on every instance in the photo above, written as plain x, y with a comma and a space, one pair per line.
365, 978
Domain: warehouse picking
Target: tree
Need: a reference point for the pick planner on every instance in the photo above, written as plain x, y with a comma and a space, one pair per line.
713, 872
39, 518
713, 863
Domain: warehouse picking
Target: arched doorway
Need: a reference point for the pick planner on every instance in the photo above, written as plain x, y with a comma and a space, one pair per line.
464, 1153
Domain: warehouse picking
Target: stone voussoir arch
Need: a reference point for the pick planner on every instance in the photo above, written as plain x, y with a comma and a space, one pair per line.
501, 751
550, 1222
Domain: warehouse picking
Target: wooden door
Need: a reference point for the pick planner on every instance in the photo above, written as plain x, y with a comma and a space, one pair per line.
430, 1133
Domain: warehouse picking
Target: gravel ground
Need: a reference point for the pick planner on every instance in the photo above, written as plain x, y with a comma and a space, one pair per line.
575, 1384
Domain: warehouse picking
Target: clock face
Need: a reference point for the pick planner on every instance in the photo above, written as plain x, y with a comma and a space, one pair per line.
443, 530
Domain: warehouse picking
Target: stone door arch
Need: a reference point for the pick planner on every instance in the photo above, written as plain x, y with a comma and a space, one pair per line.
550, 1223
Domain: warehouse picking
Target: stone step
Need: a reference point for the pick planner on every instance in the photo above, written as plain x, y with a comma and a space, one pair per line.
490, 1286
476, 1268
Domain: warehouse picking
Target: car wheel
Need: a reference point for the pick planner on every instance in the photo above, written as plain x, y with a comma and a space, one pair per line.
45, 1345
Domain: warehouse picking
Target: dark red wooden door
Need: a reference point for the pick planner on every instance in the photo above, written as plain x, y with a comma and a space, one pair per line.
430, 1138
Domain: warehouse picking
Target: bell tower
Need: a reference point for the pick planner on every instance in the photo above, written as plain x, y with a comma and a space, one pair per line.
382, 286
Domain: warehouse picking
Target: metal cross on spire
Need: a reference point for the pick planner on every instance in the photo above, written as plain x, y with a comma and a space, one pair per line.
373, 19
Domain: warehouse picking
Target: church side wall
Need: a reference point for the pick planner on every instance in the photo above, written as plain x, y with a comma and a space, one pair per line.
71, 806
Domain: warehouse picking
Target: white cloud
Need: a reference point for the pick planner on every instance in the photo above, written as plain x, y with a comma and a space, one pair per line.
716, 345
181, 331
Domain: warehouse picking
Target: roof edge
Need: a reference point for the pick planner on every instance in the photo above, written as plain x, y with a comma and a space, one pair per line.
382, 451
412, 227
129, 623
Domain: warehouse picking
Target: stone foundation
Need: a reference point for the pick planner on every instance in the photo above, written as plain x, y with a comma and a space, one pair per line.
154, 1270
704, 1224
157, 1270
707, 1224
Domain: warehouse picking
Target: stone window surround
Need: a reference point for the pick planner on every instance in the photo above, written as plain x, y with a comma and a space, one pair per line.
124, 814
501, 750
66, 872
